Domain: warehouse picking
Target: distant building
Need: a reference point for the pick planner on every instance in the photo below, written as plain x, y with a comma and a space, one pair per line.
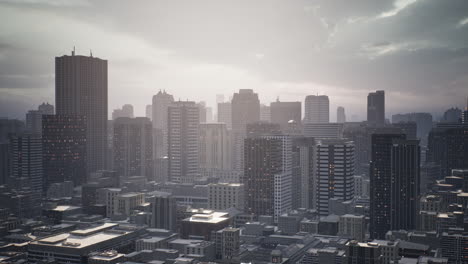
26, 165
245, 109
133, 142
317, 109
81, 89
423, 122
149, 112
160, 106
183, 136
376, 108
126, 111
284, 112
34, 118
214, 146
265, 113
225, 114
452, 115
340, 115
323, 130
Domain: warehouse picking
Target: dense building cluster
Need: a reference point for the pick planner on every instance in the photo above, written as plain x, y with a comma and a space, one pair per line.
253, 183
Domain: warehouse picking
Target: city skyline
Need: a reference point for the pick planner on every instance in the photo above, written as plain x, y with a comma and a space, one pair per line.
361, 48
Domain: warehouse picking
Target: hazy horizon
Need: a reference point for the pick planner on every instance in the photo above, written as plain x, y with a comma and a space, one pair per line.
415, 50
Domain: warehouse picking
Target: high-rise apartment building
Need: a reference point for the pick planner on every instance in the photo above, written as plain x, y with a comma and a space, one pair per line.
335, 172
340, 115
133, 147
125, 111
81, 89
161, 102
323, 130
283, 112
317, 109
64, 149
376, 108
214, 146
183, 135
268, 175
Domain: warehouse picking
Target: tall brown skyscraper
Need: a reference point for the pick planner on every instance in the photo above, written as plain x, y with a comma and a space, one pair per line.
81, 88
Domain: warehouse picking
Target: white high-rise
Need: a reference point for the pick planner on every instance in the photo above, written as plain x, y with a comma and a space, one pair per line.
317, 109
183, 129
335, 172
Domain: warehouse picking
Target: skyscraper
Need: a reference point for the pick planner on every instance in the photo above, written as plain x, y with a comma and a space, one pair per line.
340, 115
64, 149
245, 109
81, 89
335, 172
305, 186
183, 129
376, 108
283, 112
133, 147
381, 182
215, 146
405, 162
149, 112
26, 165
317, 109
268, 175
161, 102
225, 114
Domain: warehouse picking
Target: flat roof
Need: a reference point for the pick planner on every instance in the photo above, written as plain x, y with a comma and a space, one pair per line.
62, 208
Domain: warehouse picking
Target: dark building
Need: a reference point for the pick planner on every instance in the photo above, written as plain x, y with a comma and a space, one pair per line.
405, 185
448, 147
4, 162
283, 112
203, 224
133, 147
34, 118
363, 253
267, 175
81, 89
303, 182
381, 182
26, 170
164, 211
10, 126
376, 108
452, 115
64, 149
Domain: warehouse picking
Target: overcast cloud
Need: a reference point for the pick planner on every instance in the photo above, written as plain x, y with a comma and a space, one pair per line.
415, 50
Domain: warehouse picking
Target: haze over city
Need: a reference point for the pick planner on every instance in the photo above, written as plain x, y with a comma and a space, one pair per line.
234, 132
414, 50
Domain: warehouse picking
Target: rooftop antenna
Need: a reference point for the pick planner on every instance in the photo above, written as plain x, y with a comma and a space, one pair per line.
73, 52
91, 53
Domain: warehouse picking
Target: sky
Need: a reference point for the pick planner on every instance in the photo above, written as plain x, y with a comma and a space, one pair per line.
415, 50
